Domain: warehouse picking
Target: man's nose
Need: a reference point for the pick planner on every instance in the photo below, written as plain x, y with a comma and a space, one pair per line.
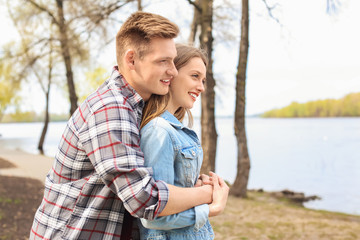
172, 70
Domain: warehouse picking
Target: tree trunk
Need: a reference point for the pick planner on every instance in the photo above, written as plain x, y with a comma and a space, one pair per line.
67, 57
47, 97
139, 5
194, 24
239, 187
208, 128
46, 124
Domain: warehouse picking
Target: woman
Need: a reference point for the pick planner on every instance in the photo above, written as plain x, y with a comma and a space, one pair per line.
174, 151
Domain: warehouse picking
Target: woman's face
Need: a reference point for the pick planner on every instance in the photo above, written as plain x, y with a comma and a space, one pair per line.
187, 86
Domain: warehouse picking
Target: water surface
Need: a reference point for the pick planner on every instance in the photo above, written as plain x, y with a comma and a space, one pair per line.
315, 156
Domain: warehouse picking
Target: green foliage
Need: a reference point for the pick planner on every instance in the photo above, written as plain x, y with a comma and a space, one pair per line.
93, 79
8, 87
348, 106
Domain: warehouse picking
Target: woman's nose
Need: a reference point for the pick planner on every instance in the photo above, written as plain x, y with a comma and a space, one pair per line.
201, 87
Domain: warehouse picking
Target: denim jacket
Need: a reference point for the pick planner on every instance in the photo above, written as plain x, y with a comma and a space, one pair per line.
175, 154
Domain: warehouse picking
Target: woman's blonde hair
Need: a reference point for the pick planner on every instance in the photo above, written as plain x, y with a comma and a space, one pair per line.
156, 105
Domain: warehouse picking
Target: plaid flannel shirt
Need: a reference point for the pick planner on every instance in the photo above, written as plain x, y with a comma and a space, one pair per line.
99, 170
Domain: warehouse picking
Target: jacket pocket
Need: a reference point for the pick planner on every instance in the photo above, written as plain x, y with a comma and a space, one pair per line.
190, 152
190, 165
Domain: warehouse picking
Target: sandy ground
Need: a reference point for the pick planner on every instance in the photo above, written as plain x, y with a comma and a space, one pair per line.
27, 165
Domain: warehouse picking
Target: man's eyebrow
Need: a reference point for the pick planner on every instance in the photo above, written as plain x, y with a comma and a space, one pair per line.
166, 57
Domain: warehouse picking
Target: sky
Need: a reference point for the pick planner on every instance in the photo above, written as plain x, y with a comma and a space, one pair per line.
310, 55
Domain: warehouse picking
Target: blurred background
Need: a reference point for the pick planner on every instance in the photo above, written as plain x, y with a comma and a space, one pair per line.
301, 88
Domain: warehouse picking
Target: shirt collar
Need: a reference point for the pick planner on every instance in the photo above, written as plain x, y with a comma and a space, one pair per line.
129, 93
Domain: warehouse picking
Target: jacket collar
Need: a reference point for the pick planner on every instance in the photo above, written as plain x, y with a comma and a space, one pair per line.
172, 120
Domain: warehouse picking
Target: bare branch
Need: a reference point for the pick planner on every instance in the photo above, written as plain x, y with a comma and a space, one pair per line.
43, 9
270, 11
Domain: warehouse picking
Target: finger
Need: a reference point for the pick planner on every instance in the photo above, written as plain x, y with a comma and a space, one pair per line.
205, 178
223, 184
215, 181
198, 183
221, 181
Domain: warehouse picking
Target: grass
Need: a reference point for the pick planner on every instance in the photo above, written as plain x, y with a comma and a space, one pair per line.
6, 200
262, 216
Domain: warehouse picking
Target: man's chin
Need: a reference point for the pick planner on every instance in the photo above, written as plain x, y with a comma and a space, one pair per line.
162, 92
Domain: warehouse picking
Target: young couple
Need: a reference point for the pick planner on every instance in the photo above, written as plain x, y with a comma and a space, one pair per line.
104, 174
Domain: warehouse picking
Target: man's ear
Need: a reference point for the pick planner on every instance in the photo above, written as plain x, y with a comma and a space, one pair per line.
130, 58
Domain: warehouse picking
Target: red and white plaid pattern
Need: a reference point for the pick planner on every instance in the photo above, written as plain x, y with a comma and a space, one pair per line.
98, 170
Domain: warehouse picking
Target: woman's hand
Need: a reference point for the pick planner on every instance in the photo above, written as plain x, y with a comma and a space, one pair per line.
220, 195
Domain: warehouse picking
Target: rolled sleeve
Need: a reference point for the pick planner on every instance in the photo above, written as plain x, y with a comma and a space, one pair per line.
202, 215
196, 216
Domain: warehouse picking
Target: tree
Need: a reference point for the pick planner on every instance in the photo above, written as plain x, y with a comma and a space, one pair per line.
239, 188
34, 61
203, 17
75, 22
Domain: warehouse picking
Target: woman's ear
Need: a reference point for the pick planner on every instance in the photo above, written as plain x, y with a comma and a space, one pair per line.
130, 58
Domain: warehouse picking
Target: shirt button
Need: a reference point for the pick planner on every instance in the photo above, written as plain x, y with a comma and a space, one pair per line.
193, 153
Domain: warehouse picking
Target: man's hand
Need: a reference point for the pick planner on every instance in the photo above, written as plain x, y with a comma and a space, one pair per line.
203, 180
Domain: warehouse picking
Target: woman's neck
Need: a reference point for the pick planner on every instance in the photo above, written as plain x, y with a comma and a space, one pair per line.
171, 107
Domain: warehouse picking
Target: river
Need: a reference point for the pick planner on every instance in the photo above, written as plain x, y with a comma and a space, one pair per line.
317, 156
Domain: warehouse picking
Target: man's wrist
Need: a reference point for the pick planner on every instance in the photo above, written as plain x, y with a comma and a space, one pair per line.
207, 193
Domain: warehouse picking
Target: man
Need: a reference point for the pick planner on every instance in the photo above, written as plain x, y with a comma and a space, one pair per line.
98, 176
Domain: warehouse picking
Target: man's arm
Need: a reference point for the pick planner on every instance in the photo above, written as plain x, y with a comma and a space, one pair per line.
181, 199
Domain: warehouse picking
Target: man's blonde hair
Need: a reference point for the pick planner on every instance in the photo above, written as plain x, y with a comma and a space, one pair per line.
139, 29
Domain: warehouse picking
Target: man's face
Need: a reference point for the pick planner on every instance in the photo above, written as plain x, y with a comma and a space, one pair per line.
156, 69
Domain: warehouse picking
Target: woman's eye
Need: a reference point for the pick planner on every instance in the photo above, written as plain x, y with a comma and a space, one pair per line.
195, 75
